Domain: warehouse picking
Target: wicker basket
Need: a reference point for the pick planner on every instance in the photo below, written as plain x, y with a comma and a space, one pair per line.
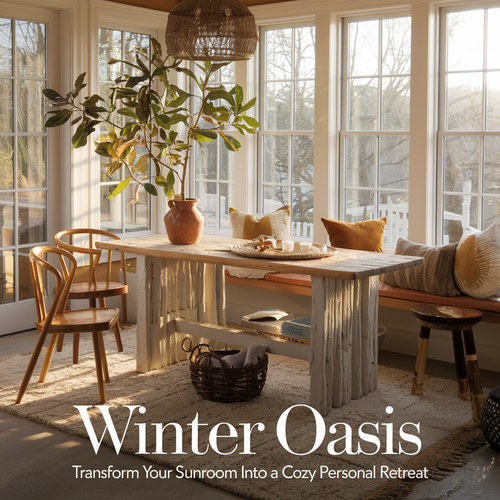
490, 418
212, 380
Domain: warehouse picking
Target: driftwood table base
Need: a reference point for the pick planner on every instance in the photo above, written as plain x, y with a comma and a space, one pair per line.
181, 292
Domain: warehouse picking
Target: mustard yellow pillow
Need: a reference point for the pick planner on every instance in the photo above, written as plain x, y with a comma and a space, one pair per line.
248, 227
364, 235
477, 262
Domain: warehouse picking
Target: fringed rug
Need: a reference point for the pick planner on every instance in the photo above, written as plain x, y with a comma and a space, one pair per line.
261, 468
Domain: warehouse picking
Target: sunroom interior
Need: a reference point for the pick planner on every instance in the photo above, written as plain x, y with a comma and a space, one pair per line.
367, 109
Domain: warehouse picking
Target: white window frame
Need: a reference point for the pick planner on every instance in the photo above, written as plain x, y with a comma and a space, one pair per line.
442, 132
401, 224
308, 22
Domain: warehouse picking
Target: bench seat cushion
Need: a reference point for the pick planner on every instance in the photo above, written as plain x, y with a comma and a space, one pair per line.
490, 304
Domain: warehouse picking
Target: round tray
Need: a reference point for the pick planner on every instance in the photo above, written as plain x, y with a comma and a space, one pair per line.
249, 250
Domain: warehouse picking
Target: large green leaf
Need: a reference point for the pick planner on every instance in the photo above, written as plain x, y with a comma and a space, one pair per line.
169, 188
251, 121
238, 96
123, 185
58, 118
248, 105
221, 94
102, 150
55, 97
163, 121
79, 138
150, 188
127, 112
230, 142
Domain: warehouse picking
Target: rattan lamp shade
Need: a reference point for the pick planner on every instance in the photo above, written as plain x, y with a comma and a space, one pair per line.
211, 30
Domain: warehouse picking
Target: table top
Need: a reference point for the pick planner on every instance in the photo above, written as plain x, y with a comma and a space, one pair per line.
346, 264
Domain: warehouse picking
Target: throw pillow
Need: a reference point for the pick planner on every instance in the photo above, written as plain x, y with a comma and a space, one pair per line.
477, 262
364, 235
249, 227
435, 276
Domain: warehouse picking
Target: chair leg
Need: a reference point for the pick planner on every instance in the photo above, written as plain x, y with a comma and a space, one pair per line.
31, 366
60, 342
98, 366
474, 378
460, 366
116, 328
76, 347
419, 373
104, 359
48, 358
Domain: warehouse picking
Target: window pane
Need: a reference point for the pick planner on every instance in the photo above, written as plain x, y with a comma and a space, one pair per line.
359, 205
136, 209
465, 100
276, 159
302, 212
394, 162
304, 105
25, 286
226, 200
491, 165
6, 106
363, 48
394, 206
461, 164
278, 106
6, 163
5, 47
31, 166
396, 103
465, 40
491, 210
30, 49
227, 73
6, 220
363, 104
206, 192
493, 54
303, 159
360, 161
32, 217
30, 106
110, 47
111, 210
459, 213
206, 160
135, 44
6, 276
305, 58
275, 197
396, 46
493, 104
279, 54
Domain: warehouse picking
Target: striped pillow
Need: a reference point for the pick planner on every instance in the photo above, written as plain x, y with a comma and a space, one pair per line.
249, 227
477, 262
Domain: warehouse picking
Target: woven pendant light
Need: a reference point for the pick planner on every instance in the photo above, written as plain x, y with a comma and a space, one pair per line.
211, 30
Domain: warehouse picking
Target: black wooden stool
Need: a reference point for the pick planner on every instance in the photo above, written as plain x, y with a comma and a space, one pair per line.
459, 321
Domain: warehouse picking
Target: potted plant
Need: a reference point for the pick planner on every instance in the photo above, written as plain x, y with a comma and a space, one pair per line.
141, 111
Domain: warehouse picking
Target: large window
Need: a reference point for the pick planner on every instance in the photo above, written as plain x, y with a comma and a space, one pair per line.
213, 166
286, 137
375, 133
469, 121
130, 211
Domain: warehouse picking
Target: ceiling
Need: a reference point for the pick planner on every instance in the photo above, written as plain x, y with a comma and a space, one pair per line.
168, 5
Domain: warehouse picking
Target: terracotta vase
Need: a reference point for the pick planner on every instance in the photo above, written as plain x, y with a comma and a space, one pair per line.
184, 222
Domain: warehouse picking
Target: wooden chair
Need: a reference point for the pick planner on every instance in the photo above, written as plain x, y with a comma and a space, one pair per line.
58, 320
90, 288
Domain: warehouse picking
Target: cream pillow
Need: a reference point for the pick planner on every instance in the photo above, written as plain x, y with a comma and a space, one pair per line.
477, 262
249, 227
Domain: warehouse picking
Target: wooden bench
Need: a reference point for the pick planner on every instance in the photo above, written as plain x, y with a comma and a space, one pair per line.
389, 296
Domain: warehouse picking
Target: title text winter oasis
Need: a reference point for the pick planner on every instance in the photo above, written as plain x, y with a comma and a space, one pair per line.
368, 439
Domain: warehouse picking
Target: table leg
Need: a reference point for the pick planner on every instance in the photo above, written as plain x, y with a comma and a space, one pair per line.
343, 353
168, 289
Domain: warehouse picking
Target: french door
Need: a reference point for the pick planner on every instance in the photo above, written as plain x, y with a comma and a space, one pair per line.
29, 62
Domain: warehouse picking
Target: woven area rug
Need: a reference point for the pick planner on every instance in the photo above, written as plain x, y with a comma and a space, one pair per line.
446, 433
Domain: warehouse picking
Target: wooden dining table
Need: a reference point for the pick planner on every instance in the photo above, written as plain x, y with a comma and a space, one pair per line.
181, 292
